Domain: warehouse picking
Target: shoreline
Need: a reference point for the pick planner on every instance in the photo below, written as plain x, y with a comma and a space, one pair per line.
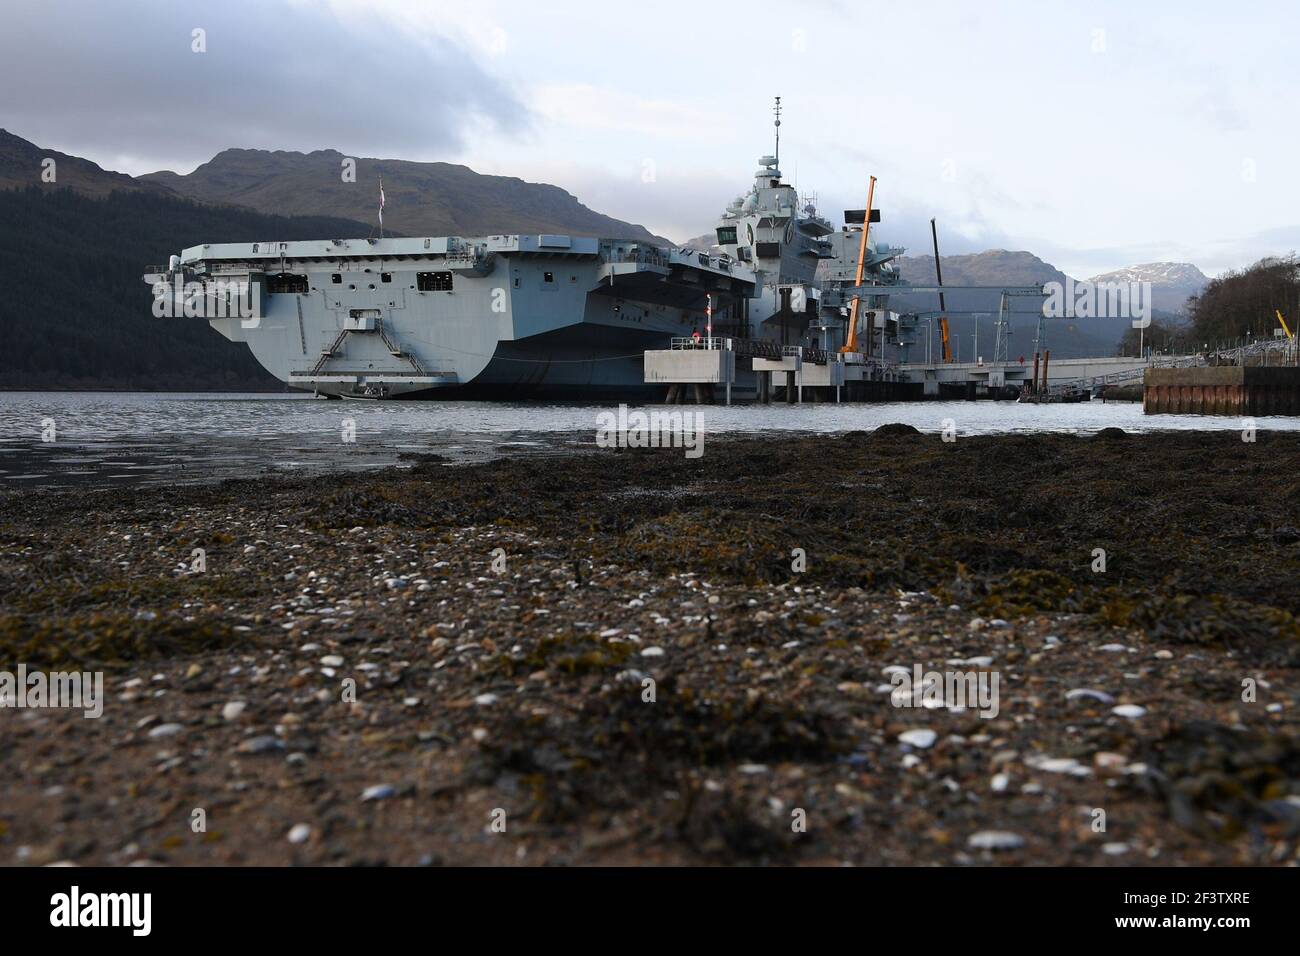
480, 688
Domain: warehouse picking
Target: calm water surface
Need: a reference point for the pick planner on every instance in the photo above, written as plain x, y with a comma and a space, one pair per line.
142, 438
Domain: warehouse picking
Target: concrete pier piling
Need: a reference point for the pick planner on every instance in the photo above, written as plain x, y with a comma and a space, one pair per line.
1222, 390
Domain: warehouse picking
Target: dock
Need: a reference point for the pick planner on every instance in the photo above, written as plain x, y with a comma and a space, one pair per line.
722, 368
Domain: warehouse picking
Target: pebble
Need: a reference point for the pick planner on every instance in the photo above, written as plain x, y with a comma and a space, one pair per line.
486, 700
1131, 711
653, 652
1113, 648
1060, 765
1080, 693
995, 840
1163, 655
166, 730
1114, 849
233, 709
260, 745
300, 833
380, 791
1000, 782
919, 738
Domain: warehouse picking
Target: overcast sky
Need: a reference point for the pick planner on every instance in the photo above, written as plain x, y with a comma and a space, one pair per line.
1094, 134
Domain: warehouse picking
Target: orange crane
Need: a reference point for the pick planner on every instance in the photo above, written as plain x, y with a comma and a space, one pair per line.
851, 343
938, 274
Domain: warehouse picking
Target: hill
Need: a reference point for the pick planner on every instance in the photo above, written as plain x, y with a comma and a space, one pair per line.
1067, 338
422, 199
22, 164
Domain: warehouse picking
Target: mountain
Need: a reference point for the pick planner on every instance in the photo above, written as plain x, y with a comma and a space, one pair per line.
1172, 283
1067, 338
23, 164
421, 199
992, 267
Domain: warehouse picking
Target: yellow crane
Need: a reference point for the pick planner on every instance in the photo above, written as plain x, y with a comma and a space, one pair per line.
1289, 334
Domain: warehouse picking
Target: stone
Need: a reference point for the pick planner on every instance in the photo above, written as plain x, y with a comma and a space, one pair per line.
919, 738
995, 840
233, 709
1131, 711
260, 745
1087, 693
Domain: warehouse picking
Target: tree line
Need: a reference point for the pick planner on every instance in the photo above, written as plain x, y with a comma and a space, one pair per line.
75, 312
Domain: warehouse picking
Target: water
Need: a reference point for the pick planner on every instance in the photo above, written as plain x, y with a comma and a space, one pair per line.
149, 438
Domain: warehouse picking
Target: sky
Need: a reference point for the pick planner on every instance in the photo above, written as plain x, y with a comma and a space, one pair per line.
1094, 134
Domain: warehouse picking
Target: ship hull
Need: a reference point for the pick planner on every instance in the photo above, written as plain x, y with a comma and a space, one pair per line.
505, 317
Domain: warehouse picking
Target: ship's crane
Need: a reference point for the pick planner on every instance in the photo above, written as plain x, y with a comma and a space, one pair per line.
851, 343
938, 275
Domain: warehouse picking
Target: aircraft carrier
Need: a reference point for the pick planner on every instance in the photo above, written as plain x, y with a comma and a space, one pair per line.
529, 316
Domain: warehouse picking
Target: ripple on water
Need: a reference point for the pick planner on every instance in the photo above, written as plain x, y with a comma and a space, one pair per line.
200, 437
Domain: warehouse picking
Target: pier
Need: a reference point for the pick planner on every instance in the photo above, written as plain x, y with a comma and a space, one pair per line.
710, 369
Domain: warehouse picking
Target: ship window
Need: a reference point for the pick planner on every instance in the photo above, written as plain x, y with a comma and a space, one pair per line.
726, 235
386, 277
285, 282
433, 281
336, 278
548, 276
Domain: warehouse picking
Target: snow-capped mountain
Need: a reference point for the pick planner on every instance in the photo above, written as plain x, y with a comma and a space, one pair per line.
1172, 283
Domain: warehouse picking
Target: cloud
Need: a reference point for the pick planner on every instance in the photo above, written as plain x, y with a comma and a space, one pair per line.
123, 84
